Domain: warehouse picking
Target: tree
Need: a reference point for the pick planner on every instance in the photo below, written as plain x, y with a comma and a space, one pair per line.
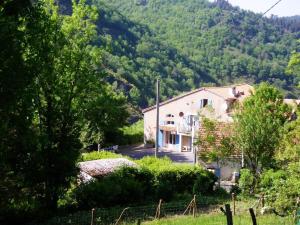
258, 127
57, 80
294, 65
16, 133
288, 156
214, 141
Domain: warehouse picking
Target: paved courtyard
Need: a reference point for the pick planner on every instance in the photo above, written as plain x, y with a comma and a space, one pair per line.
138, 153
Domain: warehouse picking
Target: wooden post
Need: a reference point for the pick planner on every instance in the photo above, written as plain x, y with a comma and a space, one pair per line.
252, 216
93, 217
233, 200
194, 206
139, 222
157, 214
262, 200
120, 217
190, 205
227, 212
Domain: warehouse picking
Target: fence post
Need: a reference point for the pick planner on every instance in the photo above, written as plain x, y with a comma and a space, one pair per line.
190, 205
252, 216
120, 217
194, 206
233, 200
227, 212
157, 214
93, 217
262, 200
139, 222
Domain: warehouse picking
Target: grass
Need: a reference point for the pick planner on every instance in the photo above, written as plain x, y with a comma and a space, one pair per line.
132, 134
100, 155
219, 219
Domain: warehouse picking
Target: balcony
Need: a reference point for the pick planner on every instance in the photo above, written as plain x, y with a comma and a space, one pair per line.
184, 128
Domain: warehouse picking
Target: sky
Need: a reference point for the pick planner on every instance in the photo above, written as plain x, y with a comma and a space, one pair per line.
284, 8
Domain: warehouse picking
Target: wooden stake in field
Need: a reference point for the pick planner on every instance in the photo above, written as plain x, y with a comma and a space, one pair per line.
191, 207
227, 212
194, 206
157, 213
233, 201
93, 217
253, 216
120, 217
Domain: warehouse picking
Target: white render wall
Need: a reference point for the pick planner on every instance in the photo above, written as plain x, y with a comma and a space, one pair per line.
189, 104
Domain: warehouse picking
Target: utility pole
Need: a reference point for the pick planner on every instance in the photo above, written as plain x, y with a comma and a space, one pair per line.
157, 118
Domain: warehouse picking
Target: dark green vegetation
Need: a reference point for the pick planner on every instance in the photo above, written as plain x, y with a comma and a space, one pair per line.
62, 85
189, 44
267, 133
53, 100
151, 180
215, 219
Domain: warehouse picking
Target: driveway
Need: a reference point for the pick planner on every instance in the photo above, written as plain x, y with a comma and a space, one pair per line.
178, 157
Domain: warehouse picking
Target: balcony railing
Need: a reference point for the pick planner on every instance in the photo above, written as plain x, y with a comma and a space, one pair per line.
184, 128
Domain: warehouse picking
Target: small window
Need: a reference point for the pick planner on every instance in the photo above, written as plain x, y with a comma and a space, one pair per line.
169, 115
203, 102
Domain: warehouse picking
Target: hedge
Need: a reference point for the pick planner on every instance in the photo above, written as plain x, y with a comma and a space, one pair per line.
152, 180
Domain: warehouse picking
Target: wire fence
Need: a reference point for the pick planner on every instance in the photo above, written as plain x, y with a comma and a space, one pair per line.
107, 216
131, 215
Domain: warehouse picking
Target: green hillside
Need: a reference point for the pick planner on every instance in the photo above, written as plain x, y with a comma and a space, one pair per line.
191, 43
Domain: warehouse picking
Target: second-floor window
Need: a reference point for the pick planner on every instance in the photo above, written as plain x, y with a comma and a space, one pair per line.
169, 120
205, 102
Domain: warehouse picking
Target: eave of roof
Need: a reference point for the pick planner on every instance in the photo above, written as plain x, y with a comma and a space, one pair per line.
190, 93
173, 99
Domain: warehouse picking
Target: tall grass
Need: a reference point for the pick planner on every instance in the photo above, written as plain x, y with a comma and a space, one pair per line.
219, 219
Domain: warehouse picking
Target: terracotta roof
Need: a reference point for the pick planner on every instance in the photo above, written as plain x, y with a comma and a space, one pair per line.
222, 92
222, 130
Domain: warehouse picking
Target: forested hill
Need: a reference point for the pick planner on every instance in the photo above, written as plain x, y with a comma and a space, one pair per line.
190, 43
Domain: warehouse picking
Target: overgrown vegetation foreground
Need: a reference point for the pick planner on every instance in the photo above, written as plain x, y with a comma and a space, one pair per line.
151, 180
217, 219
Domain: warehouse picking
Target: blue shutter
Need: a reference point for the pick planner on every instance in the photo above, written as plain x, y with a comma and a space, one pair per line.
160, 138
177, 142
218, 172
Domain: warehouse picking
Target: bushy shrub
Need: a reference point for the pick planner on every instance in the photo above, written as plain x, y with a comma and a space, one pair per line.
246, 182
204, 183
125, 186
152, 180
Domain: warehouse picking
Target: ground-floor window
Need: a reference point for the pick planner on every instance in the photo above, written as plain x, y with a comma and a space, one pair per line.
172, 138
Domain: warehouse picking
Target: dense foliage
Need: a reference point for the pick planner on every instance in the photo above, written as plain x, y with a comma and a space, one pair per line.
258, 127
152, 180
191, 43
282, 184
53, 91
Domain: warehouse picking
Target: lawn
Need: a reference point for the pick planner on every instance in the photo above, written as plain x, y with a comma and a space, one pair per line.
219, 219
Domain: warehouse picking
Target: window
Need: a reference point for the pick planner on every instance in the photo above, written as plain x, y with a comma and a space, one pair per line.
169, 115
203, 102
172, 138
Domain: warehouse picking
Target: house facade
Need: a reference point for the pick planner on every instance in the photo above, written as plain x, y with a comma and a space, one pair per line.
179, 116
179, 125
